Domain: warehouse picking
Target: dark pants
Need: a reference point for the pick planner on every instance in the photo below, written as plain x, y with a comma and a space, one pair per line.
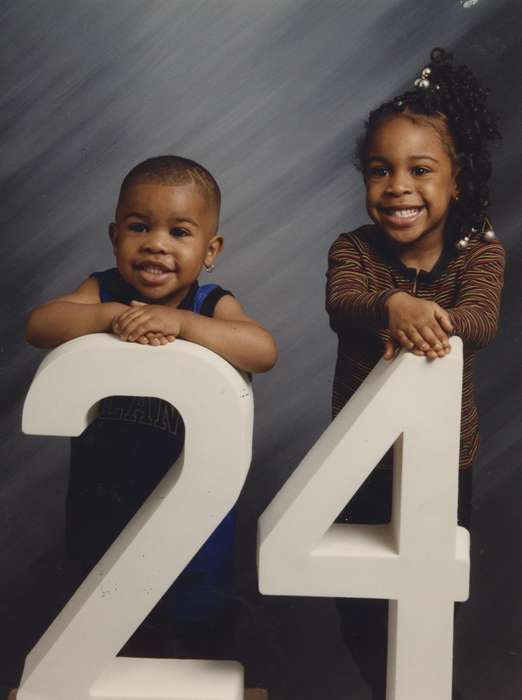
364, 621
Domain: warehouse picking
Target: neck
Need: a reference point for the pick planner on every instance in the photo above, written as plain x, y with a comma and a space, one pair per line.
423, 253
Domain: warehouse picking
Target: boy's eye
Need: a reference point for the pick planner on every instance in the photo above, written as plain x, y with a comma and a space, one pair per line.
138, 227
420, 170
178, 232
377, 171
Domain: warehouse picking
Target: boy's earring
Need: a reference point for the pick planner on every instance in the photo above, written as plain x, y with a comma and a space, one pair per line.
209, 268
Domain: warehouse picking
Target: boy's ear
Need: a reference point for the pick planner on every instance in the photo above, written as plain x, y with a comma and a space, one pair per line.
214, 248
113, 234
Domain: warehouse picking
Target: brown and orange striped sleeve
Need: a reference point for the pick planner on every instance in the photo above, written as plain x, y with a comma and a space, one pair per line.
476, 311
349, 301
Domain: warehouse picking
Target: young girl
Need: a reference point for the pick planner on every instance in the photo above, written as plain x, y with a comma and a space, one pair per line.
429, 267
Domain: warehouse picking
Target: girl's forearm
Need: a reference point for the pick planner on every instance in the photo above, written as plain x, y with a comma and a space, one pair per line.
244, 344
57, 322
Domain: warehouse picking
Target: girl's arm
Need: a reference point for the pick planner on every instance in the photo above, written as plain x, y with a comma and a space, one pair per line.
349, 303
230, 332
476, 311
71, 316
418, 325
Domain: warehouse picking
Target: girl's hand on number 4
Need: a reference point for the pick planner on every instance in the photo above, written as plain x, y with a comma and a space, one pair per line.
418, 325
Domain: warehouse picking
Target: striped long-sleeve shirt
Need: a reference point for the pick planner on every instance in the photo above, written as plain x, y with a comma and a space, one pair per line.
363, 272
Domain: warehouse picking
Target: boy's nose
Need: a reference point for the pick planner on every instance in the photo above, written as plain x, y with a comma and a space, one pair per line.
157, 241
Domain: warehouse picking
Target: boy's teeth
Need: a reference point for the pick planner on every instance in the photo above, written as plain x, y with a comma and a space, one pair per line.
153, 270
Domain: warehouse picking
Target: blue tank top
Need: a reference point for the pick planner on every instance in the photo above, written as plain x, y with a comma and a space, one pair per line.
120, 458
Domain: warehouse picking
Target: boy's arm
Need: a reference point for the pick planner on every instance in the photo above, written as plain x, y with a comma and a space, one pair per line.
229, 333
349, 303
232, 334
476, 311
71, 316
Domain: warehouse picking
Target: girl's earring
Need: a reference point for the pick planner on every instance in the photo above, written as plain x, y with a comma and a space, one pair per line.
209, 268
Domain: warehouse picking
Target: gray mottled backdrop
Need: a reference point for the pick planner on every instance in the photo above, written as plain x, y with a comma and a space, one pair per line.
270, 95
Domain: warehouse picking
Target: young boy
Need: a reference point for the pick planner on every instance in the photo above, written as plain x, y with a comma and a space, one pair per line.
165, 231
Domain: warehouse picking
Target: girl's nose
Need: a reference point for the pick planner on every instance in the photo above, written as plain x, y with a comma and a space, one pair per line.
399, 184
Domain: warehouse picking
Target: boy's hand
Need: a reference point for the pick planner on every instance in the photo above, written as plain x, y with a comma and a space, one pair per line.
417, 325
148, 324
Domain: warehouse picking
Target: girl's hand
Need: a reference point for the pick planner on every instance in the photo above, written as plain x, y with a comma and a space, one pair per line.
148, 324
418, 325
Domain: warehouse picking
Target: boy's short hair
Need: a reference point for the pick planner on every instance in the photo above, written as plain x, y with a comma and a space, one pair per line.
174, 170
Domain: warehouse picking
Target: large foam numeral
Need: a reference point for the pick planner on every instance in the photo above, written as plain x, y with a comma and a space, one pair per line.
420, 561
76, 657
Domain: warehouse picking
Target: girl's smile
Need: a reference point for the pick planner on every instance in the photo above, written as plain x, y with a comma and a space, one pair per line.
410, 181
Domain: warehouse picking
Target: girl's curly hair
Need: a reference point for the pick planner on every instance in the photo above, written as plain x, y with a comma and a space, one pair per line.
452, 100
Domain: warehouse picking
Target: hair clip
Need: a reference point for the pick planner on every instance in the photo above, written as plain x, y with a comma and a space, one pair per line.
423, 81
488, 234
462, 243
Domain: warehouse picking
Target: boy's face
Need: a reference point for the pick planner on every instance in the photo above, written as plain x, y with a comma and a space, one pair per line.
162, 237
410, 181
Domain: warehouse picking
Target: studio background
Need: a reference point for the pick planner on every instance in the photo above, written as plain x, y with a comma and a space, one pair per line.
270, 96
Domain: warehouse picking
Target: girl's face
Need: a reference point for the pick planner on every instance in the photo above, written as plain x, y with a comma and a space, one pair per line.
410, 181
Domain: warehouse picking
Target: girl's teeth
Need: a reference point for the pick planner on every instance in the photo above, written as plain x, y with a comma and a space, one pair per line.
404, 213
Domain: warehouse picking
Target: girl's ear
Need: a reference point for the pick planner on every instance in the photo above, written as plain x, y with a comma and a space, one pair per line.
113, 235
214, 248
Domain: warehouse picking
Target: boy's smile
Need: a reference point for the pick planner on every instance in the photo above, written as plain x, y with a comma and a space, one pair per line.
410, 182
162, 237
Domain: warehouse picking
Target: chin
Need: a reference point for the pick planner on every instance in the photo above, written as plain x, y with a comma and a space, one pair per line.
401, 235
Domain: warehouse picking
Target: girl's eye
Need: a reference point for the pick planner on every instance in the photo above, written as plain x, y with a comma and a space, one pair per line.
420, 170
138, 227
178, 232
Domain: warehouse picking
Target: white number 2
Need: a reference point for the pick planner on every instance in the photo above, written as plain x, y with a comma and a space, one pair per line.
420, 561
76, 657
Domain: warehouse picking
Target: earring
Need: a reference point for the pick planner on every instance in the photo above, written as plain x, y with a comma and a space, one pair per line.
209, 268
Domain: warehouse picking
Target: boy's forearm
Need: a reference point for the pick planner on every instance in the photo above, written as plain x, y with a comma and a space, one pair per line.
57, 322
244, 344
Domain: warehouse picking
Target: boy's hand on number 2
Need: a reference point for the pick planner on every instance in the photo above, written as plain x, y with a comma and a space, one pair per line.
148, 324
418, 325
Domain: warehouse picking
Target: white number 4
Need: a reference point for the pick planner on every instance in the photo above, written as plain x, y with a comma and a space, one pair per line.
420, 561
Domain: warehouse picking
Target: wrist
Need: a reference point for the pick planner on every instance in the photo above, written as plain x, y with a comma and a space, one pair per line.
108, 312
394, 296
182, 318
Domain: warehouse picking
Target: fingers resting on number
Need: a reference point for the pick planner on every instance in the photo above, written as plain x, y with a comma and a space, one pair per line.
155, 339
